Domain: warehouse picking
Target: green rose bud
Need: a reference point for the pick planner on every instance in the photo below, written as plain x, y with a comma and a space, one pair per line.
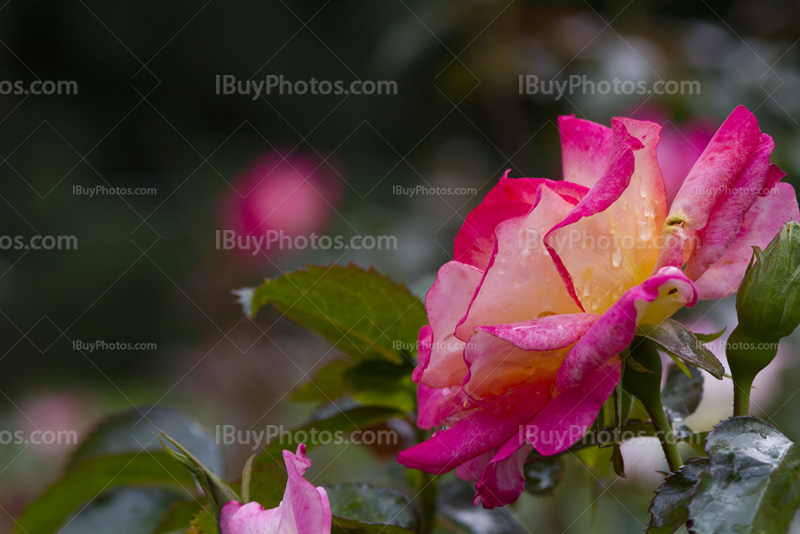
768, 301
768, 307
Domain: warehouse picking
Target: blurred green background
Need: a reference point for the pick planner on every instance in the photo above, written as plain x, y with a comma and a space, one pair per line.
147, 268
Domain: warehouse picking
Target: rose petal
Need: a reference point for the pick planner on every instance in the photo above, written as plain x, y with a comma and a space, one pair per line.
511, 197
519, 282
236, 518
304, 509
479, 432
585, 149
446, 302
650, 302
715, 170
760, 225
503, 481
609, 242
727, 214
566, 418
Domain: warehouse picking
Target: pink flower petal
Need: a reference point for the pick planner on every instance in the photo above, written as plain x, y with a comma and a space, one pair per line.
304, 509
648, 303
547, 333
729, 211
519, 282
585, 149
251, 518
609, 242
511, 197
481, 431
761, 223
435, 405
505, 356
503, 480
447, 302
566, 418
715, 170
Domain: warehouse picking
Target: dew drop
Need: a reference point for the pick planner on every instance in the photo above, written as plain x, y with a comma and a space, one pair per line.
545, 314
645, 230
625, 205
643, 190
616, 257
648, 210
528, 370
587, 288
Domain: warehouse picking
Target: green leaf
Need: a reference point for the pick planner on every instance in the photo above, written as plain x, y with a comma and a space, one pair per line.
669, 509
707, 338
136, 429
369, 509
361, 312
340, 427
122, 511
679, 342
326, 386
457, 513
382, 383
751, 485
681, 394
543, 475
93, 476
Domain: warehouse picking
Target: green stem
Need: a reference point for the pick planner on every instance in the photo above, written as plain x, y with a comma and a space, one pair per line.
666, 437
425, 486
741, 394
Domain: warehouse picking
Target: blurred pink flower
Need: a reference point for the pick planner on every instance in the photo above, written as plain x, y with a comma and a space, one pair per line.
303, 510
281, 195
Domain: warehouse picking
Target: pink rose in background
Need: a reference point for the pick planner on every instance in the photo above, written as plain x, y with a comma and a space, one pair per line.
303, 510
548, 283
281, 195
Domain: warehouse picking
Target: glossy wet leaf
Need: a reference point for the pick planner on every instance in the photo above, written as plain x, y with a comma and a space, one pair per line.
669, 509
362, 313
371, 509
681, 394
92, 477
679, 342
751, 485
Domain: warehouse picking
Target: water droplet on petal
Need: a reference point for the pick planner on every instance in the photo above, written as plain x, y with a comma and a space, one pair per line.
625, 205
645, 230
587, 288
528, 370
648, 210
643, 189
616, 257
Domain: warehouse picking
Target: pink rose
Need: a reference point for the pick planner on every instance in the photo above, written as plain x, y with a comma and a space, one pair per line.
303, 510
548, 283
278, 196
